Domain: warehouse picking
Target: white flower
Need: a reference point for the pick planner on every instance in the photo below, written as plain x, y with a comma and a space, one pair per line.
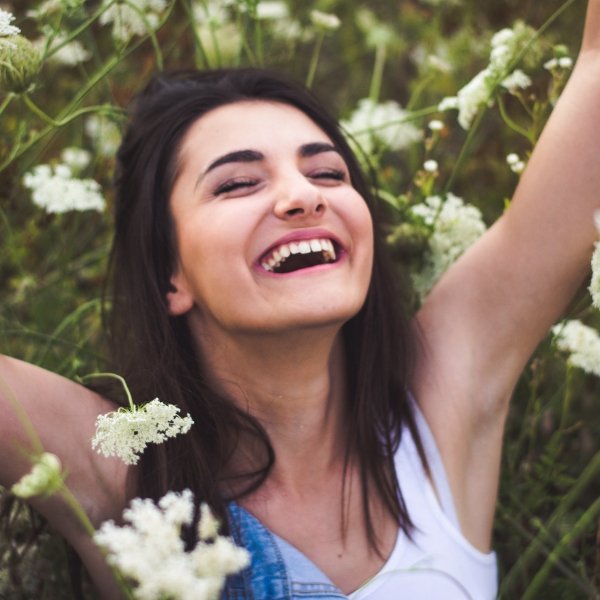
515, 163
517, 80
323, 20
57, 191
374, 125
45, 478
436, 125
272, 10
211, 12
448, 103
70, 54
104, 134
6, 29
75, 158
135, 17
581, 342
505, 47
430, 166
126, 432
149, 550
564, 62
455, 226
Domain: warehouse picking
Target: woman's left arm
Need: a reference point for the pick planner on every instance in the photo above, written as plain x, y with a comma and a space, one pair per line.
484, 319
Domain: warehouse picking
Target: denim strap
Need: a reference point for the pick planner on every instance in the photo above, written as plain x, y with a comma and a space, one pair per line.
266, 577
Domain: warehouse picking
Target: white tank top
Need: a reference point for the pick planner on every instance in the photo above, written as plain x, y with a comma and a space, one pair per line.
438, 563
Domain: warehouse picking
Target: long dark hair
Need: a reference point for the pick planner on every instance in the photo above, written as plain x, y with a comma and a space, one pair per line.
155, 351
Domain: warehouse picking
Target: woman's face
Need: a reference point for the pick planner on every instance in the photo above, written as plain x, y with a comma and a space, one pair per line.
271, 235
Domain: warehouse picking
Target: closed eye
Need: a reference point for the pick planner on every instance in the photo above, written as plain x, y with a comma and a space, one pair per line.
234, 184
330, 174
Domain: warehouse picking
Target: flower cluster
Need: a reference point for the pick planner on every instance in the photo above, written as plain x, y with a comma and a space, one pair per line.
70, 54
149, 550
104, 135
581, 342
506, 46
56, 190
126, 432
44, 478
19, 60
324, 21
135, 17
376, 126
455, 226
515, 163
6, 29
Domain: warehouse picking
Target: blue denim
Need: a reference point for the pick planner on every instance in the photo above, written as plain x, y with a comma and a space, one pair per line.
277, 571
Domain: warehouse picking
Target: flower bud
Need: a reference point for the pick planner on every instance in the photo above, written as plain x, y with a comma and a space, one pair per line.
20, 62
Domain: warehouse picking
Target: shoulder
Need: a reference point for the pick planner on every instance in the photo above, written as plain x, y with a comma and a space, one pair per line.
42, 410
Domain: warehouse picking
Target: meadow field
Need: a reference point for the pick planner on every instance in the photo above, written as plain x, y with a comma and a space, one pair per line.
443, 101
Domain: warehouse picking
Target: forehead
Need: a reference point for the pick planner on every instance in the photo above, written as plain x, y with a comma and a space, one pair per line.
271, 127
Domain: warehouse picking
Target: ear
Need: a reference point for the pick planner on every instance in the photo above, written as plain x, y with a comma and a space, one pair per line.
179, 299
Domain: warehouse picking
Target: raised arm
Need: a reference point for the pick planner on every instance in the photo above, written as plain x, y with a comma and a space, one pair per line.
486, 316
63, 415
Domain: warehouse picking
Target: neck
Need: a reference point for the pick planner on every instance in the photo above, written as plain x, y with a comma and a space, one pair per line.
294, 384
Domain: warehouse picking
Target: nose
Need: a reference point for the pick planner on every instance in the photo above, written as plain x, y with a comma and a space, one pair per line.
297, 198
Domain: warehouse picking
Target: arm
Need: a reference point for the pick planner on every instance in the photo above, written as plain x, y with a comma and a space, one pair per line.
487, 315
63, 415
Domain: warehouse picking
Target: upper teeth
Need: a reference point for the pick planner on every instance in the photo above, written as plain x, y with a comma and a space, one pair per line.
283, 251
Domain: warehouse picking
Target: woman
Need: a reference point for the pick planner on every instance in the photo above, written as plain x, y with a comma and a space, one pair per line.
251, 289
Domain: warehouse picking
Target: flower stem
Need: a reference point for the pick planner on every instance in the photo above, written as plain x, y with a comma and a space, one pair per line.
314, 61
84, 378
377, 77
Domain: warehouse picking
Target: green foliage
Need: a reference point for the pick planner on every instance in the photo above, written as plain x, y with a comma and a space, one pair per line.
52, 266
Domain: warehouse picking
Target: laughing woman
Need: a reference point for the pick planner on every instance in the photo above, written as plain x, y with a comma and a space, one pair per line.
354, 453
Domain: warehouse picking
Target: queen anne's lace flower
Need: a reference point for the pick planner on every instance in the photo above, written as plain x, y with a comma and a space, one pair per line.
374, 125
104, 134
149, 550
126, 432
135, 17
455, 226
324, 21
581, 342
56, 190
506, 45
44, 478
6, 29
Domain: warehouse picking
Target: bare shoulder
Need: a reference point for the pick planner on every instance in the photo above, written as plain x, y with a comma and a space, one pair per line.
62, 414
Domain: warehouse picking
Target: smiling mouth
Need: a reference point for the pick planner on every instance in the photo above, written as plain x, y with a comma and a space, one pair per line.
302, 254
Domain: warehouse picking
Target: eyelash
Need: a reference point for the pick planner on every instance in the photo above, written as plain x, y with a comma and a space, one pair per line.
230, 186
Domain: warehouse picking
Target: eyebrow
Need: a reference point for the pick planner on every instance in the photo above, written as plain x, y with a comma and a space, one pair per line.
305, 151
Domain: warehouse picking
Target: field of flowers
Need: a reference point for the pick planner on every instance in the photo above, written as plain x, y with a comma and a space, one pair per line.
444, 101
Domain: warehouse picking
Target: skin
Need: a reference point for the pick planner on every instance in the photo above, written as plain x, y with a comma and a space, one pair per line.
279, 344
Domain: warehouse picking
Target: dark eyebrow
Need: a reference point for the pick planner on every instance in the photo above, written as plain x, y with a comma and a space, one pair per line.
308, 150
237, 156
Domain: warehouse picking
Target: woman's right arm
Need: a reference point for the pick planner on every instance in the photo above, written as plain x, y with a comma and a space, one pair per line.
63, 415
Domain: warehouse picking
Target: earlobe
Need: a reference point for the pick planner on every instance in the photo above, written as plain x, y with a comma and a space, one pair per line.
179, 300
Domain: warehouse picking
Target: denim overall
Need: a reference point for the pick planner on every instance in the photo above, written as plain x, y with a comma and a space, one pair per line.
278, 571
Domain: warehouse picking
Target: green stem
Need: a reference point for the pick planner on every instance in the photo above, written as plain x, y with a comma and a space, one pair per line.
584, 522
377, 77
589, 475
314, 61
197, 41
75, 32
511, 123
6, 102
566, 404
84, 378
